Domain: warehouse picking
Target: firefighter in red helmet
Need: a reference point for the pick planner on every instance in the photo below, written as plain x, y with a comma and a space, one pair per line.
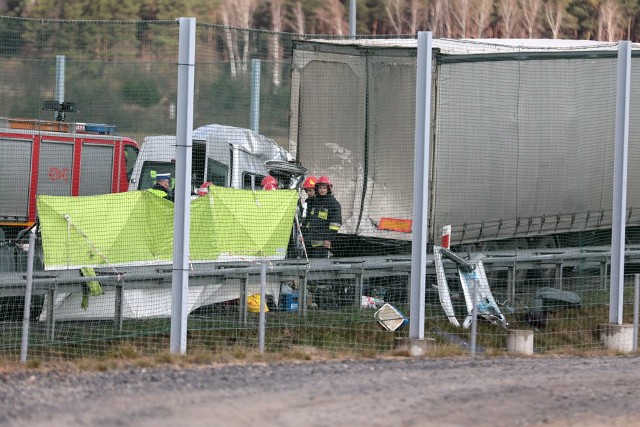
324, 219
269, 183
296, 248
309, 186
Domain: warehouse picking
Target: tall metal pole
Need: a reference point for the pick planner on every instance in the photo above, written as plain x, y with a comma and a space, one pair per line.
421, 187
616, 287
255, 95
182, 197
352, 19
60, 64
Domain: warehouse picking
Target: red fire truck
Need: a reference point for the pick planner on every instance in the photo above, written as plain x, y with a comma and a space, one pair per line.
58, 158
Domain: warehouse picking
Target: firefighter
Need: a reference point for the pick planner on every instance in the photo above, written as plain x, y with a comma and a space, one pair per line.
309, 187
162, 188
324, 219
269, 183
296, 249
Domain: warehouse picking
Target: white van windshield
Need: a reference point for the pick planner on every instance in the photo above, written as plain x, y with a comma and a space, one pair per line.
151, 169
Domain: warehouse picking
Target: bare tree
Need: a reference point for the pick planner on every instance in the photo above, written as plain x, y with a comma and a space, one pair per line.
229, 37
415, 16
434, 17
460, 11
609, 21
332, 15
298, 18
438, 18
441, 15
245, 9
554, 14
630, 11
480, 14
448, 22
530, 10
394, 13
508, 11
276, 50
237, 13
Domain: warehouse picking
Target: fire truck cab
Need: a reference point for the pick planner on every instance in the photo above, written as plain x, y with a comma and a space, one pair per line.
58, 158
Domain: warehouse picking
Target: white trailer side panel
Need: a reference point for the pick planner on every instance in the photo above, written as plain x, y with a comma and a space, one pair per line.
517, 146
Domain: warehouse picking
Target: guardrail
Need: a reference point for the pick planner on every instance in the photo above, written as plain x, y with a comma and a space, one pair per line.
354, 270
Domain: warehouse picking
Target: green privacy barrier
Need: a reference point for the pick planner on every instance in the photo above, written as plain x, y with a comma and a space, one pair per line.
137, 227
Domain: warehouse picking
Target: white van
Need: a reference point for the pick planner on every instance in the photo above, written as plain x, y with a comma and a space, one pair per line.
222, 155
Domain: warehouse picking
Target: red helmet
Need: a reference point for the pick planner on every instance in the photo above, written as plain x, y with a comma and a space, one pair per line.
204, 189
269, 183
324, 180
310, 182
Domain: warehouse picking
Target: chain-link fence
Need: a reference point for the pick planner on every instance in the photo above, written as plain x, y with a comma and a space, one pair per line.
521, 169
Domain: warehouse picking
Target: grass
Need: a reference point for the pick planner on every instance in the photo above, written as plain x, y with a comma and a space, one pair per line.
219, 336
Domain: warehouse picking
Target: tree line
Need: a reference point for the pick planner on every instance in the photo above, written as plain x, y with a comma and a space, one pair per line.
606, 20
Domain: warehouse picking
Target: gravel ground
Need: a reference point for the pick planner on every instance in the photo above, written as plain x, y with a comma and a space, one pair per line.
491, 391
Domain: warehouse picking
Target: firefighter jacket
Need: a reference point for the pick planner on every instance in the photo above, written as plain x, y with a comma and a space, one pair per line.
160, 191
323, 220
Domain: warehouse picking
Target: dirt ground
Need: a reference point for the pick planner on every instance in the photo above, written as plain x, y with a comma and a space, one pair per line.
485, 391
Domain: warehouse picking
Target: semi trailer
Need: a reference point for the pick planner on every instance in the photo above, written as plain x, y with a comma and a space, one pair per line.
522, 139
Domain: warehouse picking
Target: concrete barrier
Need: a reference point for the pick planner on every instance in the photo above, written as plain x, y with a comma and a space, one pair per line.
617, 337
415, 347
520, 341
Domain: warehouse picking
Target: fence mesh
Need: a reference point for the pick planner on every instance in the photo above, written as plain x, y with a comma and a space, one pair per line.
522, 144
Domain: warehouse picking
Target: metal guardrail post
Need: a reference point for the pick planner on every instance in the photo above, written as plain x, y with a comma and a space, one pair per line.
358, 290
242, 309
50, 326
27, 299
603, 275
303, 295
511, 283
474, 319
118, 306
559, 275
409, 284
263, 304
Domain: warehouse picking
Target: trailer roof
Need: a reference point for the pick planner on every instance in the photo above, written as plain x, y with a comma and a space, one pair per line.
479, 46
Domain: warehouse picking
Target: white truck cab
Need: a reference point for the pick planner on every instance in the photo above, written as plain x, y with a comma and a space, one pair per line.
225, 156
